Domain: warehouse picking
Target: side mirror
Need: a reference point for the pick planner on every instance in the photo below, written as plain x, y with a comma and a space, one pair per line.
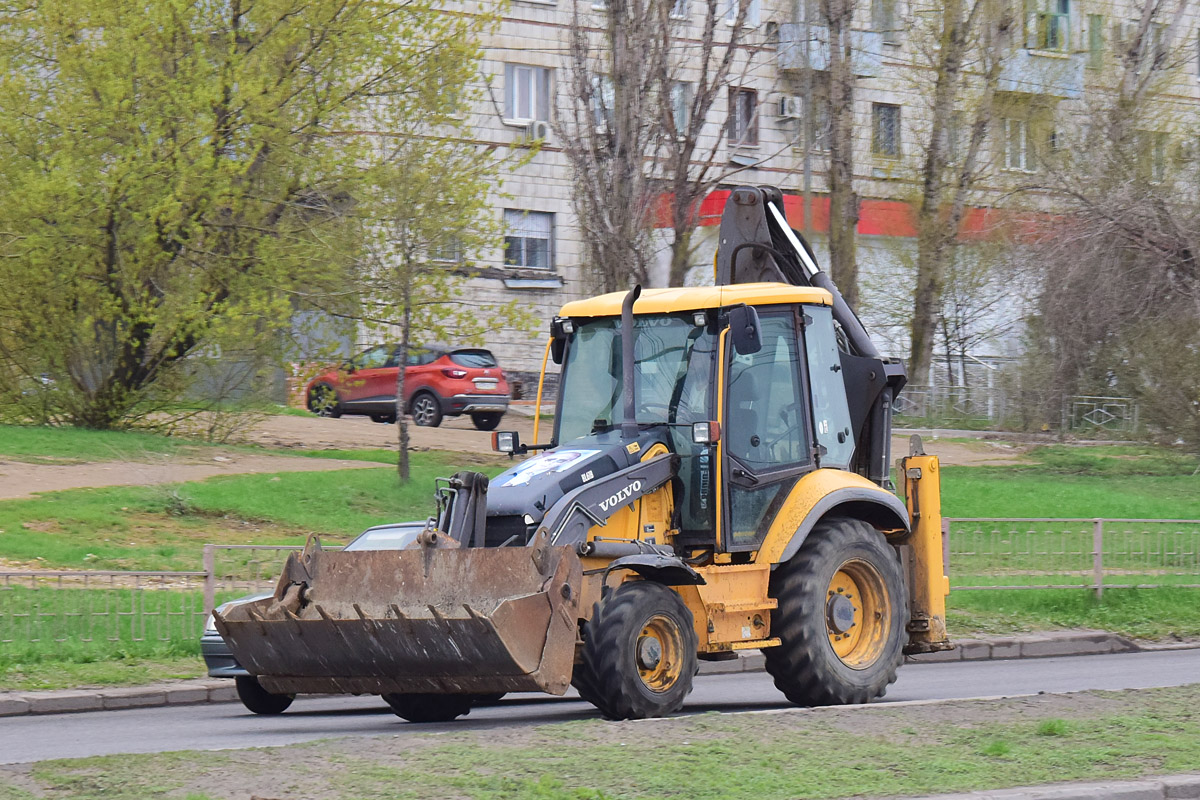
560, 329
744, 330
506, 442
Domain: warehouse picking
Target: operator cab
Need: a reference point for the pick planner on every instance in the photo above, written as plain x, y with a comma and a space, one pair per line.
780, 402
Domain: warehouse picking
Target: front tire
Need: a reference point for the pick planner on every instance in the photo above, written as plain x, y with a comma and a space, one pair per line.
639, 654
841, 616
429, 707
257, 699
323, 401
426, 410
486, 420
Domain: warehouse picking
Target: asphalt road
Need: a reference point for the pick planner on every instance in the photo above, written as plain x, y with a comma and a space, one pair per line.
229, 726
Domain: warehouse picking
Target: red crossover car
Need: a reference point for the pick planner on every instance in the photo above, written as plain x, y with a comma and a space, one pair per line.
438, 382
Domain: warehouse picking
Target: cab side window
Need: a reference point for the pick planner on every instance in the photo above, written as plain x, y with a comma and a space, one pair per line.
831, 414
766, 412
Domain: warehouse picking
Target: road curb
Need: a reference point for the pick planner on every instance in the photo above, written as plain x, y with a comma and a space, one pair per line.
1171, 787
1081, 643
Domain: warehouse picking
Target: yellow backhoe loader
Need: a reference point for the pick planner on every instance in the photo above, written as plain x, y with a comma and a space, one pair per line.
717, 480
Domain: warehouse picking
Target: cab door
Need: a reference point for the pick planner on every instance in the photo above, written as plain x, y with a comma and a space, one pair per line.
766, 438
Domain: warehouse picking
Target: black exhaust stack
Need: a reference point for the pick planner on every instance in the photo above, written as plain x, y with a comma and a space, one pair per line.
629, 427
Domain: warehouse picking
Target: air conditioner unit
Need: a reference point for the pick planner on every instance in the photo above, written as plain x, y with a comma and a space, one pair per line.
537, 129
791, 106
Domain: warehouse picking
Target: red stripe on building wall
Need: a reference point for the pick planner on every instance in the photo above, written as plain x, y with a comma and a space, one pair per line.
894, 218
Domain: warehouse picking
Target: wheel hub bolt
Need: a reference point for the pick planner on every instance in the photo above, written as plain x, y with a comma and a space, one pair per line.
839, 613
649, 652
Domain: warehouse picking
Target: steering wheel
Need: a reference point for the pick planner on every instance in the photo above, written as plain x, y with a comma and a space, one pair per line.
651, 406
795, 427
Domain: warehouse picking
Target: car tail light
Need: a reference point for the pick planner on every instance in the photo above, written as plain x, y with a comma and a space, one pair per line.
454, 373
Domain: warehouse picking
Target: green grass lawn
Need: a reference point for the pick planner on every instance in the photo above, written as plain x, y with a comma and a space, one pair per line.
166, 527
76, 444
1041, 492
880, 752
1141, 613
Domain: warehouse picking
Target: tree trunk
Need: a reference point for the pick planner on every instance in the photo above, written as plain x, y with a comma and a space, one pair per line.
402, 467
932, 237
937, 225
681, 247
843, 202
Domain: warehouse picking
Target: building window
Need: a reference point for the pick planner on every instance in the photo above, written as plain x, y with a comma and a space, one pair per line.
952, 138
679, 9
816, 124
1156, 48
1016, 145
1095, 41
743, 117
681, 107
526, 93
753, 11
822, 124
528, 239
1152, 155
885, 130
449, 251
603, 100
1047, 24
885, 19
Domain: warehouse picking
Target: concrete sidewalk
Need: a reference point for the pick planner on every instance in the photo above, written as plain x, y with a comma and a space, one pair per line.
211, 690
1170, 787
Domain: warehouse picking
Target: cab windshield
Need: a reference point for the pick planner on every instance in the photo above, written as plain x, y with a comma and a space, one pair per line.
673, 363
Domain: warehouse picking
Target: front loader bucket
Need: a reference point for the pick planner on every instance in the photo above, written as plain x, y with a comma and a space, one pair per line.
446, 621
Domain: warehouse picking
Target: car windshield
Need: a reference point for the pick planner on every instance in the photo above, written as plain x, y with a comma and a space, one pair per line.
473, 358
673, 362
396, 538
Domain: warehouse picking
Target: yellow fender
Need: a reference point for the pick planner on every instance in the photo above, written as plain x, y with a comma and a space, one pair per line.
828, 492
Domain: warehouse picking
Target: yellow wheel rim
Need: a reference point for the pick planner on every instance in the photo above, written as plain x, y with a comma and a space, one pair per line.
658, 652
857, 614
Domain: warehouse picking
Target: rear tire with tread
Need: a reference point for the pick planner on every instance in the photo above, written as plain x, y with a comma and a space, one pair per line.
639, 653
806, 667
323, 401
486, 420
429, 707
257, 699
426, 410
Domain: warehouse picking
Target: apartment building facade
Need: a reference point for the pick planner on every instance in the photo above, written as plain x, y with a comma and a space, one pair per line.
1063, 54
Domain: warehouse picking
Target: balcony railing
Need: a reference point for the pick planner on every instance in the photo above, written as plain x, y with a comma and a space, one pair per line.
798, 52
1044, 72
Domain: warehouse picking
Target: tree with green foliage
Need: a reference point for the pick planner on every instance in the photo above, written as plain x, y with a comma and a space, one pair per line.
433, 217
176, 176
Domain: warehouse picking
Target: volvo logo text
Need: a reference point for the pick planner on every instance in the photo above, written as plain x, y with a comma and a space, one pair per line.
621, 496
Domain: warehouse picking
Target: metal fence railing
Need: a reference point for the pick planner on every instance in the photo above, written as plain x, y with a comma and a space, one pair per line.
990, 405
1018, 553
114, 610
120, 611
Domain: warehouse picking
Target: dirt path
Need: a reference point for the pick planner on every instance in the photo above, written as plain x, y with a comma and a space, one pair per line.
19, 480
353, 433
312, 433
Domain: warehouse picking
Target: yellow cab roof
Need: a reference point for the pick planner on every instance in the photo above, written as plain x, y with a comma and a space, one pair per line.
694, 298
